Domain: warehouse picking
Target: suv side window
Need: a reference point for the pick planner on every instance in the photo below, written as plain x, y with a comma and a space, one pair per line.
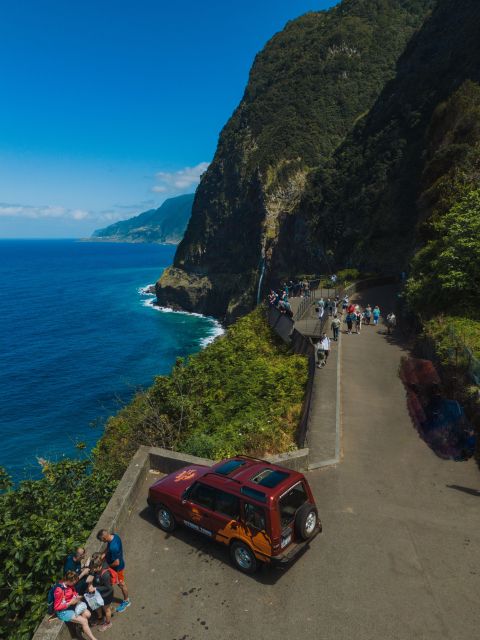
227, 504
254, 516
202, 495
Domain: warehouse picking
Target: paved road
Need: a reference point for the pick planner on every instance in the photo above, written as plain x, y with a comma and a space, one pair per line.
399, 557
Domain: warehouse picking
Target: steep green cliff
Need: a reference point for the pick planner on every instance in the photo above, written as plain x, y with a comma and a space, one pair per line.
306, 90
403, 164
165, 224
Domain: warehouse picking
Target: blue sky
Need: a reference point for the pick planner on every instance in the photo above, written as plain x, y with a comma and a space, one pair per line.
108, 107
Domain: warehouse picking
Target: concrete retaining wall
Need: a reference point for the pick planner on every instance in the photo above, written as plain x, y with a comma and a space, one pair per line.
119, 507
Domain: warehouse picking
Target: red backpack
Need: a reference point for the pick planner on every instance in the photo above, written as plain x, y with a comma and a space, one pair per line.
113, 575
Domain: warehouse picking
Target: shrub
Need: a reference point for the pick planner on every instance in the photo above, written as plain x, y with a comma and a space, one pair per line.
41, 521
242, 394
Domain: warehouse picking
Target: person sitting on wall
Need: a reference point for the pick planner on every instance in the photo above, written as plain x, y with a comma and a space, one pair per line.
77, 563
68, 605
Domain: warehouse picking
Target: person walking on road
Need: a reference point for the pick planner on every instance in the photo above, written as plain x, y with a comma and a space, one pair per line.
335, 326
349, 320
113, 555
376, 314
391, 323
358, 321
368, 314
325, 345
320, 353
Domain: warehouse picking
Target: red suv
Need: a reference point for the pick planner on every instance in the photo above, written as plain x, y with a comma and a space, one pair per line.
263, 512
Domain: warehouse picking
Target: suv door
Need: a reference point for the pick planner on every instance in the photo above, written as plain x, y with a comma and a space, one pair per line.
256, 523
198, 506
226, 515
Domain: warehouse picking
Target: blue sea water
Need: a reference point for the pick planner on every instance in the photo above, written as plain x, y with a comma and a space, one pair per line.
78, 337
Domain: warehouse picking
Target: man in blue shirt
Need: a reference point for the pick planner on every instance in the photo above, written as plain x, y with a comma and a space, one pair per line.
77, 563
113, 555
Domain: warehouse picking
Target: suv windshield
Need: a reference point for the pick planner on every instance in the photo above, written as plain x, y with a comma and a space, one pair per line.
290, 502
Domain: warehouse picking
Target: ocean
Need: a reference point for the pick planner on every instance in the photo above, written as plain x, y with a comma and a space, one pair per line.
79, 335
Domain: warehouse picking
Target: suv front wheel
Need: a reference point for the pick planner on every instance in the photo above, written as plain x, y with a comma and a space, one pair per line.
243, 557
306, 521
165, 518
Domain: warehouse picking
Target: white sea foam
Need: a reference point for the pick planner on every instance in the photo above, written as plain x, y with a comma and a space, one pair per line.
146, 291
215, 330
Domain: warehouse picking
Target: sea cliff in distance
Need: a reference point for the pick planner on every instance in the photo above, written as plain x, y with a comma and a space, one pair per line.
165, 225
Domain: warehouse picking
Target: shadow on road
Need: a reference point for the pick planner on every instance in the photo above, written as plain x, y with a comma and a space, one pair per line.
208, 550
472, 492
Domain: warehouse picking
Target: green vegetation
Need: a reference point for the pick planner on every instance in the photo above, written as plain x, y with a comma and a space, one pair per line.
449, 263
452, 334
242, 394
446, 271
41, 521
165, 224
314, 78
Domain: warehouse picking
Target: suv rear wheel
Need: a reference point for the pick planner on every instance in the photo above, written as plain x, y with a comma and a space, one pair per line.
243, 557
306, 521
165, 518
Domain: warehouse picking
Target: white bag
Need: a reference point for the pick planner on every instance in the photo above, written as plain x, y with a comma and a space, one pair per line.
94, 600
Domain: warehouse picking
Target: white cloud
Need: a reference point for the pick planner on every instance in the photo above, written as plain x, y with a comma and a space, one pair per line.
43, 211
180, 181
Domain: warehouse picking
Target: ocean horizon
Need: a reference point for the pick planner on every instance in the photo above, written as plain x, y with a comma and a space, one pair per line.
79, 335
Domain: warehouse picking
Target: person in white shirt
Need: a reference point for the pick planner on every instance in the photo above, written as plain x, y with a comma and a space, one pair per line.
323, 350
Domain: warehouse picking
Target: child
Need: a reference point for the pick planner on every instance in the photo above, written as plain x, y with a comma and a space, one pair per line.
102, 579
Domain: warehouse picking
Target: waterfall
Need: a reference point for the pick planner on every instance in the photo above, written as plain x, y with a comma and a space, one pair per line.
260, 281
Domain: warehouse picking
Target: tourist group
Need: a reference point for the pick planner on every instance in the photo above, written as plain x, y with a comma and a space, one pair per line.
354, 319
88, 584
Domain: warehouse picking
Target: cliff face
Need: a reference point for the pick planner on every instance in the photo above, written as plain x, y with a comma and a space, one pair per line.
306, 90
371, 203
165, 224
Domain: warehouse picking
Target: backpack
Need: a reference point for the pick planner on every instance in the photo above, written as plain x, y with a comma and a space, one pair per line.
51, 597
113, 575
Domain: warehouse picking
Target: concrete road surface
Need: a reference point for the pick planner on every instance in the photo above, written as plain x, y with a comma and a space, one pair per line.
399, 558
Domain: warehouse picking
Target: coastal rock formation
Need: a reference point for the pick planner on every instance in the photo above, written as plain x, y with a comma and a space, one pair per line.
166, 224
305, 92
